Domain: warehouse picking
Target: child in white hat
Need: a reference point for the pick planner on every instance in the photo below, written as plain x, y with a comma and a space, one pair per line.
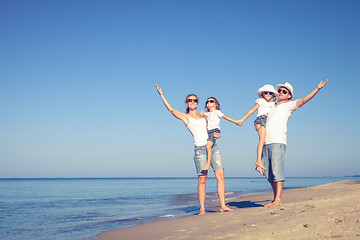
213, 115
265, 102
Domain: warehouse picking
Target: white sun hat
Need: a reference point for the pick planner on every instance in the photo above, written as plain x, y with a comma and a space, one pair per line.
266, 88
287, 86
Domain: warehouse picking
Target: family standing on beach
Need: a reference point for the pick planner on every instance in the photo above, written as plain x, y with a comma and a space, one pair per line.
270, 123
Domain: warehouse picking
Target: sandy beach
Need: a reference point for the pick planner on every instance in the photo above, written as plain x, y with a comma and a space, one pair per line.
330, 211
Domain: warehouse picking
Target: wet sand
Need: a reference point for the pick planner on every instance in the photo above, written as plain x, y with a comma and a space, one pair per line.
330, 211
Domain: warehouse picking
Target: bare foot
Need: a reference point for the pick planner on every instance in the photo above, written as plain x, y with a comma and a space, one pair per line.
202, 212
274, 204
259, 169
226, 209
207, 166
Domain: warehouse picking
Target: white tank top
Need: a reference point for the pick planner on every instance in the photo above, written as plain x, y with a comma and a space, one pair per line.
197, 127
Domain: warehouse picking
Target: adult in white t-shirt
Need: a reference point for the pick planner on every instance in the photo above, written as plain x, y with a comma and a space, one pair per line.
197, 125
275, 145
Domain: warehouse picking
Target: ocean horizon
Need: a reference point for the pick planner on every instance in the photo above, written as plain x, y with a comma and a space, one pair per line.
81, 208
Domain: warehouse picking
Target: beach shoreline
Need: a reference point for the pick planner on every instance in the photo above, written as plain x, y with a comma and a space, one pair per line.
329, 211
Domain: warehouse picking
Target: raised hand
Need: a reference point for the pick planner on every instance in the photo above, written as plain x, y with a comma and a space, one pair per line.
159, 90
322, 84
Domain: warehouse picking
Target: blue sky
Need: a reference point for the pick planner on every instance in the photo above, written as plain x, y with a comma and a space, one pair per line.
78, 96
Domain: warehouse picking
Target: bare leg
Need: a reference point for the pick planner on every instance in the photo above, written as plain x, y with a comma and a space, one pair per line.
277, 189
209, 145
202, 192
262, 135
219, 174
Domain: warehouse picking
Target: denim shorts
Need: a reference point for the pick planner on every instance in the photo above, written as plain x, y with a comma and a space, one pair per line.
211, 137
261, 120
200, 159
273, 157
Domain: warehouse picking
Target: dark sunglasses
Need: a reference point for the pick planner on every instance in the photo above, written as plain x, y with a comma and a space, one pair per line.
283, 91
192, 100
210, 101
266, 93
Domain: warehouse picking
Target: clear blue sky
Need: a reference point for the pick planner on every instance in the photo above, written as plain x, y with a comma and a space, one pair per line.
78, 97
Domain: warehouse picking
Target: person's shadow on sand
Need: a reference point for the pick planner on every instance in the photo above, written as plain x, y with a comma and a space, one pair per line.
245, 204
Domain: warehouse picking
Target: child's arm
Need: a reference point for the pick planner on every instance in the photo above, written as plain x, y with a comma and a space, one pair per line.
202, 113
229, 119
300, 102
248, 114
176, 113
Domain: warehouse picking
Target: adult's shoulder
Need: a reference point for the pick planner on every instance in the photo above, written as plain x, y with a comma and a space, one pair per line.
291, 105
293, 102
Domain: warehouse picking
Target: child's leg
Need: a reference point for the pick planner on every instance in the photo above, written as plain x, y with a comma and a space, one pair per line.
262, 135
209, 145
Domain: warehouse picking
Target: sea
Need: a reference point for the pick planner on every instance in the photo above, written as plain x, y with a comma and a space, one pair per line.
82, 208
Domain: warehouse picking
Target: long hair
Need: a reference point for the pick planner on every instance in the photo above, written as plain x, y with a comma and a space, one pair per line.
216, 103
187, 108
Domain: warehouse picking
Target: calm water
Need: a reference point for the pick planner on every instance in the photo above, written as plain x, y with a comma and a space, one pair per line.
39, 209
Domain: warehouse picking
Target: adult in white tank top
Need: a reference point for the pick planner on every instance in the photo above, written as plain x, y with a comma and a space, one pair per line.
197, 126
273, 154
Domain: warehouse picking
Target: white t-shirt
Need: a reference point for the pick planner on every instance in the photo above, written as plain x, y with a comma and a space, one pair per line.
264, 106
213, 119
197, 127
276, 124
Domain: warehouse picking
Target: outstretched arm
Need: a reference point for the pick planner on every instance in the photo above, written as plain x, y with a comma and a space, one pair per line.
229, 119
176, 113
300, 102
248, 114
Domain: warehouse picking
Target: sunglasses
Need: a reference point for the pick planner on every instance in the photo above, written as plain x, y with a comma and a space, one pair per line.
283, 91
266, 93
192, 100
210, 101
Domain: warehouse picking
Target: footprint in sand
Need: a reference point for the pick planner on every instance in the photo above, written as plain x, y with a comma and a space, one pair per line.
306, 225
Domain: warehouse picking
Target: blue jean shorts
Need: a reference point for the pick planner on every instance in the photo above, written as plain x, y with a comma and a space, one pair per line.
200, 159
261, 120
211, 137
273, 157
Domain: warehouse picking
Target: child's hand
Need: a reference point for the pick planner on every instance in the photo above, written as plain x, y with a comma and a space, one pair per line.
202, 113
239, 123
